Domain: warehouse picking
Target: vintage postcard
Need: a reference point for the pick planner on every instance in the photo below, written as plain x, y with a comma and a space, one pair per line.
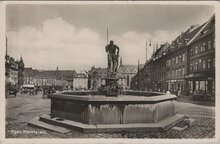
109, 72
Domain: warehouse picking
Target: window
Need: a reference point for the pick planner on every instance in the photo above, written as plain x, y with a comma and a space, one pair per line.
209, 44
197, 85
196, 50
183, 71
205, 46
177, 60
202, 85
200, 60
204, 64
191, 67
191, 52
196, 66
202, 47
209, 64
183, 57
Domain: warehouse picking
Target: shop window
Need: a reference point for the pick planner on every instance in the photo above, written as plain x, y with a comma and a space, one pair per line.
197, 86
213, 86
202, 85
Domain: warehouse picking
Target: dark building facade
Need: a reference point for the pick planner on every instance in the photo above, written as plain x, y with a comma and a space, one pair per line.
201, 72
177, 61
185, 66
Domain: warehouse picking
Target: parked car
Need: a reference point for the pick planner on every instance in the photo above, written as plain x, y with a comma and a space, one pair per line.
201, 96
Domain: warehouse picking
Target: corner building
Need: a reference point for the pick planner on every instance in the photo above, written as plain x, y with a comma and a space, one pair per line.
201, 72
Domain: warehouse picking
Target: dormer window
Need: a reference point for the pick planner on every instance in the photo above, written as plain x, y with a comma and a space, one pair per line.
202, 32
186, 40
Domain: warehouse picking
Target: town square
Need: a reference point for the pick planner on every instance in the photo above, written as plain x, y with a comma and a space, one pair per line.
110, 71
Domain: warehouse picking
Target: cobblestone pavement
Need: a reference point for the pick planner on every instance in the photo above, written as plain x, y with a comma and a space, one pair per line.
23, 108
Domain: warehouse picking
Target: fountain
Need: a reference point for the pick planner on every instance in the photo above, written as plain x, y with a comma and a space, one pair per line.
106, 110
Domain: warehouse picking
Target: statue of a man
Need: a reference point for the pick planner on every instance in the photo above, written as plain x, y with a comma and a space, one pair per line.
112, 56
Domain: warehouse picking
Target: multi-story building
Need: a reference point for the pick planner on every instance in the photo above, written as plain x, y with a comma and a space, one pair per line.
20, 64
201, 60
152, 76
80, 81
139, 81
128, 72
176, 61
14, 70
11, 70
49, 78
186, 65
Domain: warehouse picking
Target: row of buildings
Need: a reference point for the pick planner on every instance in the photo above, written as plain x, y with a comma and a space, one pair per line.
20, 76
71, 80
125, 73
59, 79
187, 65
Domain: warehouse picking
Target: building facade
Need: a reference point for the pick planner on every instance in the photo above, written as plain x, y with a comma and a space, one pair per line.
49, 78
80, 81
201, 72
11, 70
128, 72
185, 66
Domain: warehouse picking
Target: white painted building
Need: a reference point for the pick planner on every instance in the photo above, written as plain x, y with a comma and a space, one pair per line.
80, 81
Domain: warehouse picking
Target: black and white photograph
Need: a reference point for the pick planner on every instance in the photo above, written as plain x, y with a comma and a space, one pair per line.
109, 70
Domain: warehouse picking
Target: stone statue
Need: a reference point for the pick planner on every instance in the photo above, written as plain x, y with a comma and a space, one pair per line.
112, 56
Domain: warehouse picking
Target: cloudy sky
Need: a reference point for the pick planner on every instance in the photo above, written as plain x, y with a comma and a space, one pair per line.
74, 36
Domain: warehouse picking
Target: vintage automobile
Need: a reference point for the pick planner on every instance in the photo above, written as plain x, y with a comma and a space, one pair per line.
29, 89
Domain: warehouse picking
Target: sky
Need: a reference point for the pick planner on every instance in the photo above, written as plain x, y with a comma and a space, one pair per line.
75, 36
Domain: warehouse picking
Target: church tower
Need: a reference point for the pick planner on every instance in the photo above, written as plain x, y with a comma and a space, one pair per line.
149, 48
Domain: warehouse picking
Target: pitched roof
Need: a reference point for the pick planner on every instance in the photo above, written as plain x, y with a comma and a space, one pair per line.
80, 75
49, 73
29, 72
130, 68
208, 27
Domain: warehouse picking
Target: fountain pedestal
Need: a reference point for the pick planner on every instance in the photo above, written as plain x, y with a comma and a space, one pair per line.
122, 113
110, 87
